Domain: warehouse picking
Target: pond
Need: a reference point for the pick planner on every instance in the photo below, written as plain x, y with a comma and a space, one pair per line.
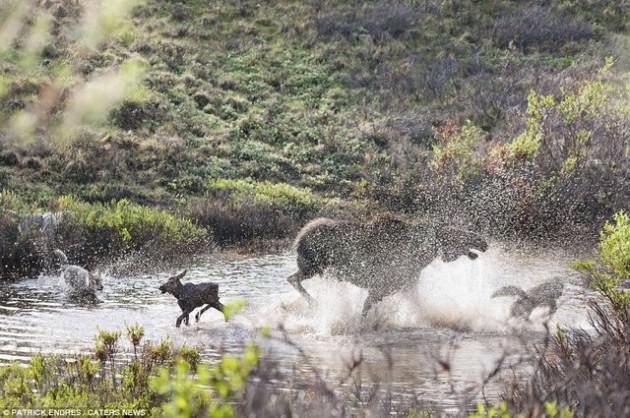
448, 317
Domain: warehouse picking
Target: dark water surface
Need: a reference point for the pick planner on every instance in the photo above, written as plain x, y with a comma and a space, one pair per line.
448, 316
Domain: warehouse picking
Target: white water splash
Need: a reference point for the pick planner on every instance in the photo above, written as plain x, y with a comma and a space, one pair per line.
454, 295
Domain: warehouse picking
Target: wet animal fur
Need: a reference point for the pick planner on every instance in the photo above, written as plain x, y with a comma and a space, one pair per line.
383, 256
545, 294
191, 296
79, 279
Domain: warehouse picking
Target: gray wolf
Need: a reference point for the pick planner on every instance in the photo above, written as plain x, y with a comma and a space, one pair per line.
545, 294
78, 278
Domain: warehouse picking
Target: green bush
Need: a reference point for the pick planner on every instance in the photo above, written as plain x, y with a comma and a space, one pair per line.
565, 132
91, 232
173, 385
457, 149
55, 382
298, 202
501, 410
124, 227
9, 201
181, 396
246, 210
612, 267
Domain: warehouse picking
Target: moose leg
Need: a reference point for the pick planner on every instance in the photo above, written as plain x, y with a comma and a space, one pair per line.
216, 305
183, 316
201, 311
373, 298
296, 281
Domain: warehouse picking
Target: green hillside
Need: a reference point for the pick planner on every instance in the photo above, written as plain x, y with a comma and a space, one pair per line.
242, 112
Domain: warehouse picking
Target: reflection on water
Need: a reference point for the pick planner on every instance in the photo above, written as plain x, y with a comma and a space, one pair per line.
449, 316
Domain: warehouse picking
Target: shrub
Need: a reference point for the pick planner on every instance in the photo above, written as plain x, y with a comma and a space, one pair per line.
251, 210
232, 223
588, 371
540, 27
54, 382
178, 386
562, 175
457, 149
438, 75
580, 126
245, 212
614, 250
612, 269
377, 19
181, 396
9, 201
495, 94
123, 227
295, 201
129, 115
501, 410
612, 14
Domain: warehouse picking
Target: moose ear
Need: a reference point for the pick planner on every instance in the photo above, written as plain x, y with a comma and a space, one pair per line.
180, 275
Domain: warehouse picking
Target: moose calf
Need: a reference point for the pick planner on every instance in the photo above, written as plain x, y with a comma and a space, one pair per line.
191, 296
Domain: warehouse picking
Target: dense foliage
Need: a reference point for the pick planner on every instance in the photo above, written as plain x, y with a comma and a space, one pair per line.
252, 116
90, 232
586, 373
158, 380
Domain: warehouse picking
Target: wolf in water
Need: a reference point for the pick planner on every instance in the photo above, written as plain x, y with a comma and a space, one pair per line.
79, 279
545, 294
191, 296
382, 256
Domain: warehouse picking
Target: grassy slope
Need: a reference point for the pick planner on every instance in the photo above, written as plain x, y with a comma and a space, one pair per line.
338, 97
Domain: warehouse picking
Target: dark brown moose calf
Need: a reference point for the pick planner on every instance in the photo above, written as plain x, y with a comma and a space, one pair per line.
191, 296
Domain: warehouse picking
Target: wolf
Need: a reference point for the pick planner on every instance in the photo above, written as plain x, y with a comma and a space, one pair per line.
79, 279
545, 294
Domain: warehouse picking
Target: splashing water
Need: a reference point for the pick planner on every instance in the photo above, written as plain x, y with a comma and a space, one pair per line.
37, 315
453, 295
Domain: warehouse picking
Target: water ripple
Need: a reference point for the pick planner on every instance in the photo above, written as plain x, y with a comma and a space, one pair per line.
38, 315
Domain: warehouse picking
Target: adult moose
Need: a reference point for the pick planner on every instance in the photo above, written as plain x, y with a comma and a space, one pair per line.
382, 256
